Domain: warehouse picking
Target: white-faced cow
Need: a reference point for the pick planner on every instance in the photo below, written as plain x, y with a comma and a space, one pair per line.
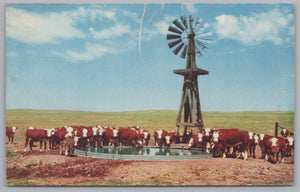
274, 146
223, 140
159, 137
10, 133
129, 137
253, 141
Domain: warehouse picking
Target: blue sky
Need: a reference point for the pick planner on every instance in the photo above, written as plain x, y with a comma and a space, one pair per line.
115, 57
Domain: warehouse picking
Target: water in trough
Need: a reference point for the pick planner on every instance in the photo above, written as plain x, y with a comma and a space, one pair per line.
141, 153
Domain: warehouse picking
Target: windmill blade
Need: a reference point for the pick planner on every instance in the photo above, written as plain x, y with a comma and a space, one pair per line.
198, 23
174, 43
204, 40
173, 29
183, 54
202, 45
183, 19
204, 33
191, 18
198, 52
178, 49
176, 22
172, 36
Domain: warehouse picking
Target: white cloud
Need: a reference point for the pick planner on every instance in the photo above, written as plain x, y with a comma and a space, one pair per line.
81, 14
29, 27
191, 8
158, 28
255, 29
91, 52
115, 31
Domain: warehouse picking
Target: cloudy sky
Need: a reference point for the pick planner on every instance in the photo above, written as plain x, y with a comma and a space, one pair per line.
115, 57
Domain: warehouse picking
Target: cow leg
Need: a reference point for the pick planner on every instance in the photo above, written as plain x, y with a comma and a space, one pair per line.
41, 142
26, 143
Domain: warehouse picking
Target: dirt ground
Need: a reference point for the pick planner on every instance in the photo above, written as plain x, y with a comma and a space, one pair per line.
49, 168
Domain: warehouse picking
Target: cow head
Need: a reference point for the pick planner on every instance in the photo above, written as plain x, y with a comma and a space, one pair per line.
207, 131
216, 135
94, 129
49, 132
251, 135
200, 137
84, 133
168, 140
159, 134
69, 132
261, 137
145, 135
101, 131
273, 142
191, 142
256, 139
76, 141
14, 129
115, 132
31, 127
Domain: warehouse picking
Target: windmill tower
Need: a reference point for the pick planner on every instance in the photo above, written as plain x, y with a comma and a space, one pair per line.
189, 38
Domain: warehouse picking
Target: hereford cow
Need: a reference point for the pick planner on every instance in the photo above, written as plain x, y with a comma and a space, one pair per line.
223, 140
111, 136
253, 141
146, 137
10, 133
289, 146
274, 146
101, 136
69, 141
262, 144
159, 137
196, 141
131, 137
36, 135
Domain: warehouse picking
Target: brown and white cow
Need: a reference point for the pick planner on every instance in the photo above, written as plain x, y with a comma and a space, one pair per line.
146, 137
10, 133
253, 141
274, 146
160, 137
262, 144
36, 135
224, 140
196, 141
130, 137
111, 136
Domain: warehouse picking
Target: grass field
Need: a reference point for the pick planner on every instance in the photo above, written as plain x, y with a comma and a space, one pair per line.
258, 122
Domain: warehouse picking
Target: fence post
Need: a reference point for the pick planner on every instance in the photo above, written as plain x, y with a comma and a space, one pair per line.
276, 129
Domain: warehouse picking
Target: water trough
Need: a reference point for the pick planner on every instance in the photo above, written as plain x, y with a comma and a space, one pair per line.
141, 153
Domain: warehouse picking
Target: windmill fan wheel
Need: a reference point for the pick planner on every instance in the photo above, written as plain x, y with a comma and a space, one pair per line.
182, 31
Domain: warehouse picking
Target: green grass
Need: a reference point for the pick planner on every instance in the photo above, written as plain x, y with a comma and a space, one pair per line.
256, 121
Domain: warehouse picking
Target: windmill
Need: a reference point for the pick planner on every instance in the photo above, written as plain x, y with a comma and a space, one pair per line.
187, 38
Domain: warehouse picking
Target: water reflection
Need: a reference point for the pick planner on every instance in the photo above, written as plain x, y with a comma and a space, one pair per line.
148, 151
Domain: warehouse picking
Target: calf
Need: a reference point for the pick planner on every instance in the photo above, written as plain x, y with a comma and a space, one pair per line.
10, 133
274, 146
36, 135
253, 141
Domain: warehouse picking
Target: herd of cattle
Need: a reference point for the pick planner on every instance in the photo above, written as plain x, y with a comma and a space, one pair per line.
222, 142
